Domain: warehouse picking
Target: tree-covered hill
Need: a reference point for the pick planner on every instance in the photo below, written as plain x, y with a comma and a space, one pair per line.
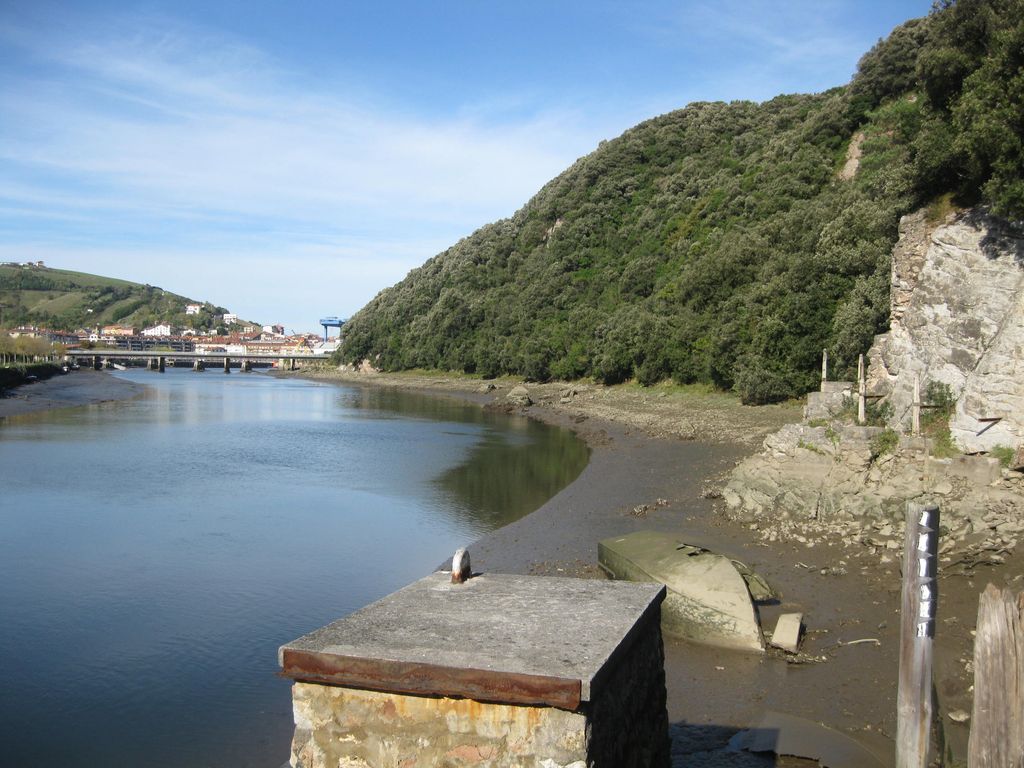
724, 243
61, 299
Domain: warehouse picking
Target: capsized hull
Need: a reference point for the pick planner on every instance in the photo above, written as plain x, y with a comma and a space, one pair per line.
707, 601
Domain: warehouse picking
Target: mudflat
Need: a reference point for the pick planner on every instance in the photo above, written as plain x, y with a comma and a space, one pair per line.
83, 387
658, 457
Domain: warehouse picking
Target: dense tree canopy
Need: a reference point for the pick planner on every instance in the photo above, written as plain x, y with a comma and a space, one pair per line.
720, 243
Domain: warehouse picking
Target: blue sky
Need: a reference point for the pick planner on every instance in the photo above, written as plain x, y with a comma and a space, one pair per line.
290, 160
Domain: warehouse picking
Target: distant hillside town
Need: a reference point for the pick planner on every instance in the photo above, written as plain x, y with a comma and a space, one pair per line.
246, 339
46, 311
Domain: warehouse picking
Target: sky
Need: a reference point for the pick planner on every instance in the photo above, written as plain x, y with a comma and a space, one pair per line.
290, 160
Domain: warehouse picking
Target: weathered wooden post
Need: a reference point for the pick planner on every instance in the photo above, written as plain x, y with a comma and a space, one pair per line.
161, 364
915, 414
997, 722
862, 392
227, 364
824, 368
917, 630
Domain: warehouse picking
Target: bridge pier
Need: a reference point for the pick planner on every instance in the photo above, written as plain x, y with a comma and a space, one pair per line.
199, 365
291, 363
96, 364
161, 363
227, 364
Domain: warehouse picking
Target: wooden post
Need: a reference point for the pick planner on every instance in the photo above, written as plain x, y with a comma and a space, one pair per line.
917, 630
227, 365
862, 392
915, 414
824, 367
997, 723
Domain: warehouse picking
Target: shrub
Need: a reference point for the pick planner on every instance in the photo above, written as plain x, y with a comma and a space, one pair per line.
884, 442
1004, 453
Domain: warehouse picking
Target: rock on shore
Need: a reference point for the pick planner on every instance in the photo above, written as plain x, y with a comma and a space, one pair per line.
813, 482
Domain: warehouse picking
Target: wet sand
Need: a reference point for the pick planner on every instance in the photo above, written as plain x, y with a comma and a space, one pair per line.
82, 387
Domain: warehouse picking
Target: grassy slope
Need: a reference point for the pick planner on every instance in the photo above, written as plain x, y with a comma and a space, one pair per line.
61, 298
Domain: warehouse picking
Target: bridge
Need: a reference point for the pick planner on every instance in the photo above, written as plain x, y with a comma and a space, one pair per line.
199, 360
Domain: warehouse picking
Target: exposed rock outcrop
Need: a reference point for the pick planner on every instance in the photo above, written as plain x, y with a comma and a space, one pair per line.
844, 481
958, 319
519, 396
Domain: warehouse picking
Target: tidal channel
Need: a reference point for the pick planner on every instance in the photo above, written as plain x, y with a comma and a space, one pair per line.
155, 552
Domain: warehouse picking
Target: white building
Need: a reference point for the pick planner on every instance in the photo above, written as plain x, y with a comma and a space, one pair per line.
158, 330
230, 317
193, 309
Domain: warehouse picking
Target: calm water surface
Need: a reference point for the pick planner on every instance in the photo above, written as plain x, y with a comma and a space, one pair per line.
154, 553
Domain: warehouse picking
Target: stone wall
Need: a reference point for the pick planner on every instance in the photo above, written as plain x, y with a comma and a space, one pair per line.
624, 726
351, 728
629, 716
957, 318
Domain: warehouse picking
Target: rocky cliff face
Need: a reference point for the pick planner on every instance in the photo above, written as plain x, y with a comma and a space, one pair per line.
957, 318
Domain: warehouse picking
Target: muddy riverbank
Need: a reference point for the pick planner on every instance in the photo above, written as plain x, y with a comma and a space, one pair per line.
82, 387
656, 455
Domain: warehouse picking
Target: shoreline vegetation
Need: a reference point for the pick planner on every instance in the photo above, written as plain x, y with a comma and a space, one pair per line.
24, 373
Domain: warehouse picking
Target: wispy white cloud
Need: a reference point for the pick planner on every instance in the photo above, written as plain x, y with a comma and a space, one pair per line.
159, 123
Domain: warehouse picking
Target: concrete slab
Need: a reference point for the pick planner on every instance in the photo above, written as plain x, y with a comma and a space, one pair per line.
788, 735
787, 632
516, 639
836, 387
983, 470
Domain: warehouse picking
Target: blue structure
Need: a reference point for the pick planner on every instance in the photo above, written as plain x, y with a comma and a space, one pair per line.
331, 322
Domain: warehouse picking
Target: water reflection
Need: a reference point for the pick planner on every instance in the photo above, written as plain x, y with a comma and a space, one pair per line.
502, 480
155, 552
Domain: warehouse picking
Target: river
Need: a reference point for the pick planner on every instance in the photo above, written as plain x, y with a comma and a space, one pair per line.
155, 552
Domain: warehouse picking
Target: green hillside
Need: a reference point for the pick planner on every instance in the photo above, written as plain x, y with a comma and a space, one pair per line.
722, 243
60, 299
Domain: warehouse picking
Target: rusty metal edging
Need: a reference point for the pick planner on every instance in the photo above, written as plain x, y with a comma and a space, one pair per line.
430, 679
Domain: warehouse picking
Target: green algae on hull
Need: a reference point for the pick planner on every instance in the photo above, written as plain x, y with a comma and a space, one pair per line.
708, 600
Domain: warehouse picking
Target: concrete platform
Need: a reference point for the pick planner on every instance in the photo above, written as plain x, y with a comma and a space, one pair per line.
504, 638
